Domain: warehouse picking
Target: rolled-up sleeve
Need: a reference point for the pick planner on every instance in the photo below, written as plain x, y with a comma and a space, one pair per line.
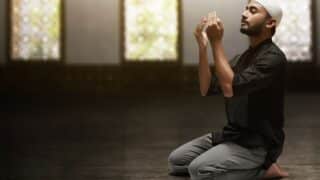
214, 87
259, 75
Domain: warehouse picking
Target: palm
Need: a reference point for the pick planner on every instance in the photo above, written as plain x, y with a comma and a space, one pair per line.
201, 36
204, 39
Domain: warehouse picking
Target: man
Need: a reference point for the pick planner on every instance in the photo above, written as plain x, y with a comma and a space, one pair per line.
253, 87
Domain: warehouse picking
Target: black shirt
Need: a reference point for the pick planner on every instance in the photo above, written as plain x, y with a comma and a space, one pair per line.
255, 112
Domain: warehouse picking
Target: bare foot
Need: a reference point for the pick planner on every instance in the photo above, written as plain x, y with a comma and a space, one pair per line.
275, 172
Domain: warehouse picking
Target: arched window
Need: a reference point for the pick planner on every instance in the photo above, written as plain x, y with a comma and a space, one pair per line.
294, 35
35, 30
151, 30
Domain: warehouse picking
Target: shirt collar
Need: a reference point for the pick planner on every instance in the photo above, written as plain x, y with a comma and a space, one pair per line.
265, 42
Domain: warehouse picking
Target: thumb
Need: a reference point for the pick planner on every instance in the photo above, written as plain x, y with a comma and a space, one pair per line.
219, 22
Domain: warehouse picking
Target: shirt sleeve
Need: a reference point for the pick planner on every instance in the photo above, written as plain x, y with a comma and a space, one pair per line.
258, 75
214, 87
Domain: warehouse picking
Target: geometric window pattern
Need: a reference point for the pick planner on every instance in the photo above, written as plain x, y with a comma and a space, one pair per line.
294, 34
151, 30
35, 30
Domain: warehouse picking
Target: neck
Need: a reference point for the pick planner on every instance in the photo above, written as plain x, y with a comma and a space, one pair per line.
256, 40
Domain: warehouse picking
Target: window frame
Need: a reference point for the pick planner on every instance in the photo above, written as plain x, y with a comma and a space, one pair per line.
153, 62
58, 61
314, 36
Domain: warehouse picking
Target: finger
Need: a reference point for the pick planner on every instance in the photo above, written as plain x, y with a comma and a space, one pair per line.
215, 24
219, 22
201, 23
200, 27
204, 36
210, 18
197, 28
214, 14
204, 19
196, 33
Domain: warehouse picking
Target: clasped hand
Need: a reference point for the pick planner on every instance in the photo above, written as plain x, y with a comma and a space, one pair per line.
210, 29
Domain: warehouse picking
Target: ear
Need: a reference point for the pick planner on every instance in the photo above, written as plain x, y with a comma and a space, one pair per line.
271, 23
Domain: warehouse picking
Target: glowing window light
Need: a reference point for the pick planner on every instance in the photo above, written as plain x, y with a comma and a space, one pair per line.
35, 29
294, 34
151, 30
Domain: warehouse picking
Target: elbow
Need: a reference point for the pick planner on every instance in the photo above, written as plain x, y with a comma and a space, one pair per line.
227, 90
203, 92
204, 89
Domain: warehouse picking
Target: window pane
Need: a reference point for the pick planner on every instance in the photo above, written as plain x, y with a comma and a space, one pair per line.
35, 29
294, 35
151, 30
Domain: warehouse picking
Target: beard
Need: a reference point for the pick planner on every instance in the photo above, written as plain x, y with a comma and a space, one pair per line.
253, 30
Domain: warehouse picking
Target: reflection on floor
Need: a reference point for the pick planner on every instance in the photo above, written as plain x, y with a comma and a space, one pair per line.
129, 138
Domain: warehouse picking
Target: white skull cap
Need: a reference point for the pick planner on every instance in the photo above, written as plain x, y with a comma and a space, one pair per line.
273, 8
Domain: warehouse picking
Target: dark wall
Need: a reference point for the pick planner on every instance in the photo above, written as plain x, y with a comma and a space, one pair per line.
115, 80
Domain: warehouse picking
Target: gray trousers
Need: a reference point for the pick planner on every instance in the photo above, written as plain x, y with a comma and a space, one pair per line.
225, 161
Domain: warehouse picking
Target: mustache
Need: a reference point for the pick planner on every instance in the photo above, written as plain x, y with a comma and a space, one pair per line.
244, 21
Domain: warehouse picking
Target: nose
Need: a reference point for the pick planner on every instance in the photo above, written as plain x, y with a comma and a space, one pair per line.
245, 14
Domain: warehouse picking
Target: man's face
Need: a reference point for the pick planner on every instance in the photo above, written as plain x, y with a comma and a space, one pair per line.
253, 19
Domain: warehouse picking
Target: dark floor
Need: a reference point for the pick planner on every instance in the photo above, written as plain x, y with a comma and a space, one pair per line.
129, 138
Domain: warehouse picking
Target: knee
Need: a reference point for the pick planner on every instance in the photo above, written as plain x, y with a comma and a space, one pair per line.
175, 158
177, 165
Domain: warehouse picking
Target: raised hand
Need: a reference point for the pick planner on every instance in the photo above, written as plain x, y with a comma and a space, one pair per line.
201, 35
215, 29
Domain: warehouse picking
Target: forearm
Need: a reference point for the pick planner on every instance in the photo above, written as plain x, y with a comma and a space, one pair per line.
204, 71
223, 69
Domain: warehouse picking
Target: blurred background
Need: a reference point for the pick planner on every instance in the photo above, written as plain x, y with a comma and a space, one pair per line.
106, 89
